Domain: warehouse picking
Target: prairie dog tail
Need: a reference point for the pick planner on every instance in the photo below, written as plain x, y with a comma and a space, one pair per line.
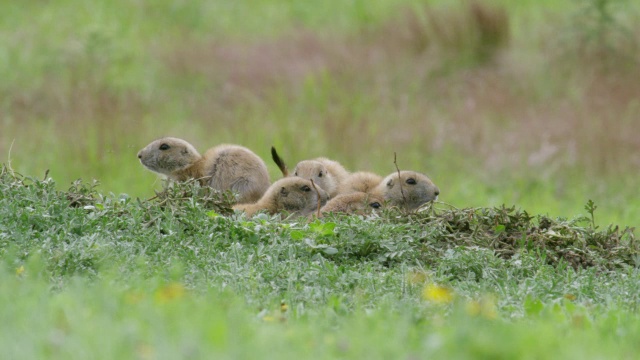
281, 164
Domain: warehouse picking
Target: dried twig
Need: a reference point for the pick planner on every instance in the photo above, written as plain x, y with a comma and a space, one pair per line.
318, 194
9, 159
399, 179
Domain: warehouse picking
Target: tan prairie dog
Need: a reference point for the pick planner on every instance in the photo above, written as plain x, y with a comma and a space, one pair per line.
292, 194
355, 203
224, 167
326, 173
417, 190
361, 181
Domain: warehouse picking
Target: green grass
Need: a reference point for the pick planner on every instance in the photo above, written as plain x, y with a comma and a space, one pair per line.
140, 320
85, 274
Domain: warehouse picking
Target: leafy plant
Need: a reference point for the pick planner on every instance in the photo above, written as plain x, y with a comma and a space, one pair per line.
591, 208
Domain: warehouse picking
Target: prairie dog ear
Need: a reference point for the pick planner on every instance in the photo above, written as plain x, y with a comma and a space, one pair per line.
284, 191
390, 183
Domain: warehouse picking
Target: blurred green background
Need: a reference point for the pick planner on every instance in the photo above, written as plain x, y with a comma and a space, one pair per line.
528, 103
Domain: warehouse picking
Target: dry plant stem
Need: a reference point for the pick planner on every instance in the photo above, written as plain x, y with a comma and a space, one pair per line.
200, 180
318, 194
399, 178
447, 204
9, 158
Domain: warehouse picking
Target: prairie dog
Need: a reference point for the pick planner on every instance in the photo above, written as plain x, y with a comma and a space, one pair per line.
224, 167
292, 194
354, 203
326, 173
417, 190
360, 181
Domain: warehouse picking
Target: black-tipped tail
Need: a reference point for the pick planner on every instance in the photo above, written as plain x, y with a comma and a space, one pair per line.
276, 158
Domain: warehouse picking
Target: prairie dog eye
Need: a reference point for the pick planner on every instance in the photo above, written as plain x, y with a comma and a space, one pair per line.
305, 188
411, 181
320, 174
375, 205
164, 147
295, 173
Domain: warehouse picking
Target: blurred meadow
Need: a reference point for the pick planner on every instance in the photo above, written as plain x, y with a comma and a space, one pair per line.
528, 103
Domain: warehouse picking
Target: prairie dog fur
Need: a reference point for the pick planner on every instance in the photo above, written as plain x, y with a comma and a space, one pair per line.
354, 203
224, 167
293, 194
361, 181
326, 173
417, 188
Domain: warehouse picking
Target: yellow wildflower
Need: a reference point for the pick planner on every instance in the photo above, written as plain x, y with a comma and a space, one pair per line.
169, 292
473, 308
486, 308
20, 270
438, 294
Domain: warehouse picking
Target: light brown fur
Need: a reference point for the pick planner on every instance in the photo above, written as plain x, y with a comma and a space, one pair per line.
292, 194
224, 167
417, 190
353, 203
360, 181
327, 174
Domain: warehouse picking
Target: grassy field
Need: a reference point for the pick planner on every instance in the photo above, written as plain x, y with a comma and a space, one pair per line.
84, 275
532, 104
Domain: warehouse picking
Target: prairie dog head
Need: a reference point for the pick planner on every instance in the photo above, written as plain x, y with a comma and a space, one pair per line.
296, 194
168, 155
316, 171
417, 189
354, 203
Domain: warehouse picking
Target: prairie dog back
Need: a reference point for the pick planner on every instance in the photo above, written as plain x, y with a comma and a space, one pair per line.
236, 168
361, 181
224, 167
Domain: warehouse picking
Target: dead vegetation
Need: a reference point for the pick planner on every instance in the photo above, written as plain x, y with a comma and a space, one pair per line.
508, 231
177, 195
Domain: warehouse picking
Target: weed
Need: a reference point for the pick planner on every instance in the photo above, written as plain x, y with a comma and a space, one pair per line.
591, 208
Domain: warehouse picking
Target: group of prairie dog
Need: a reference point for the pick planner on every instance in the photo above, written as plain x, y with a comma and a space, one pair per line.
315, 183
